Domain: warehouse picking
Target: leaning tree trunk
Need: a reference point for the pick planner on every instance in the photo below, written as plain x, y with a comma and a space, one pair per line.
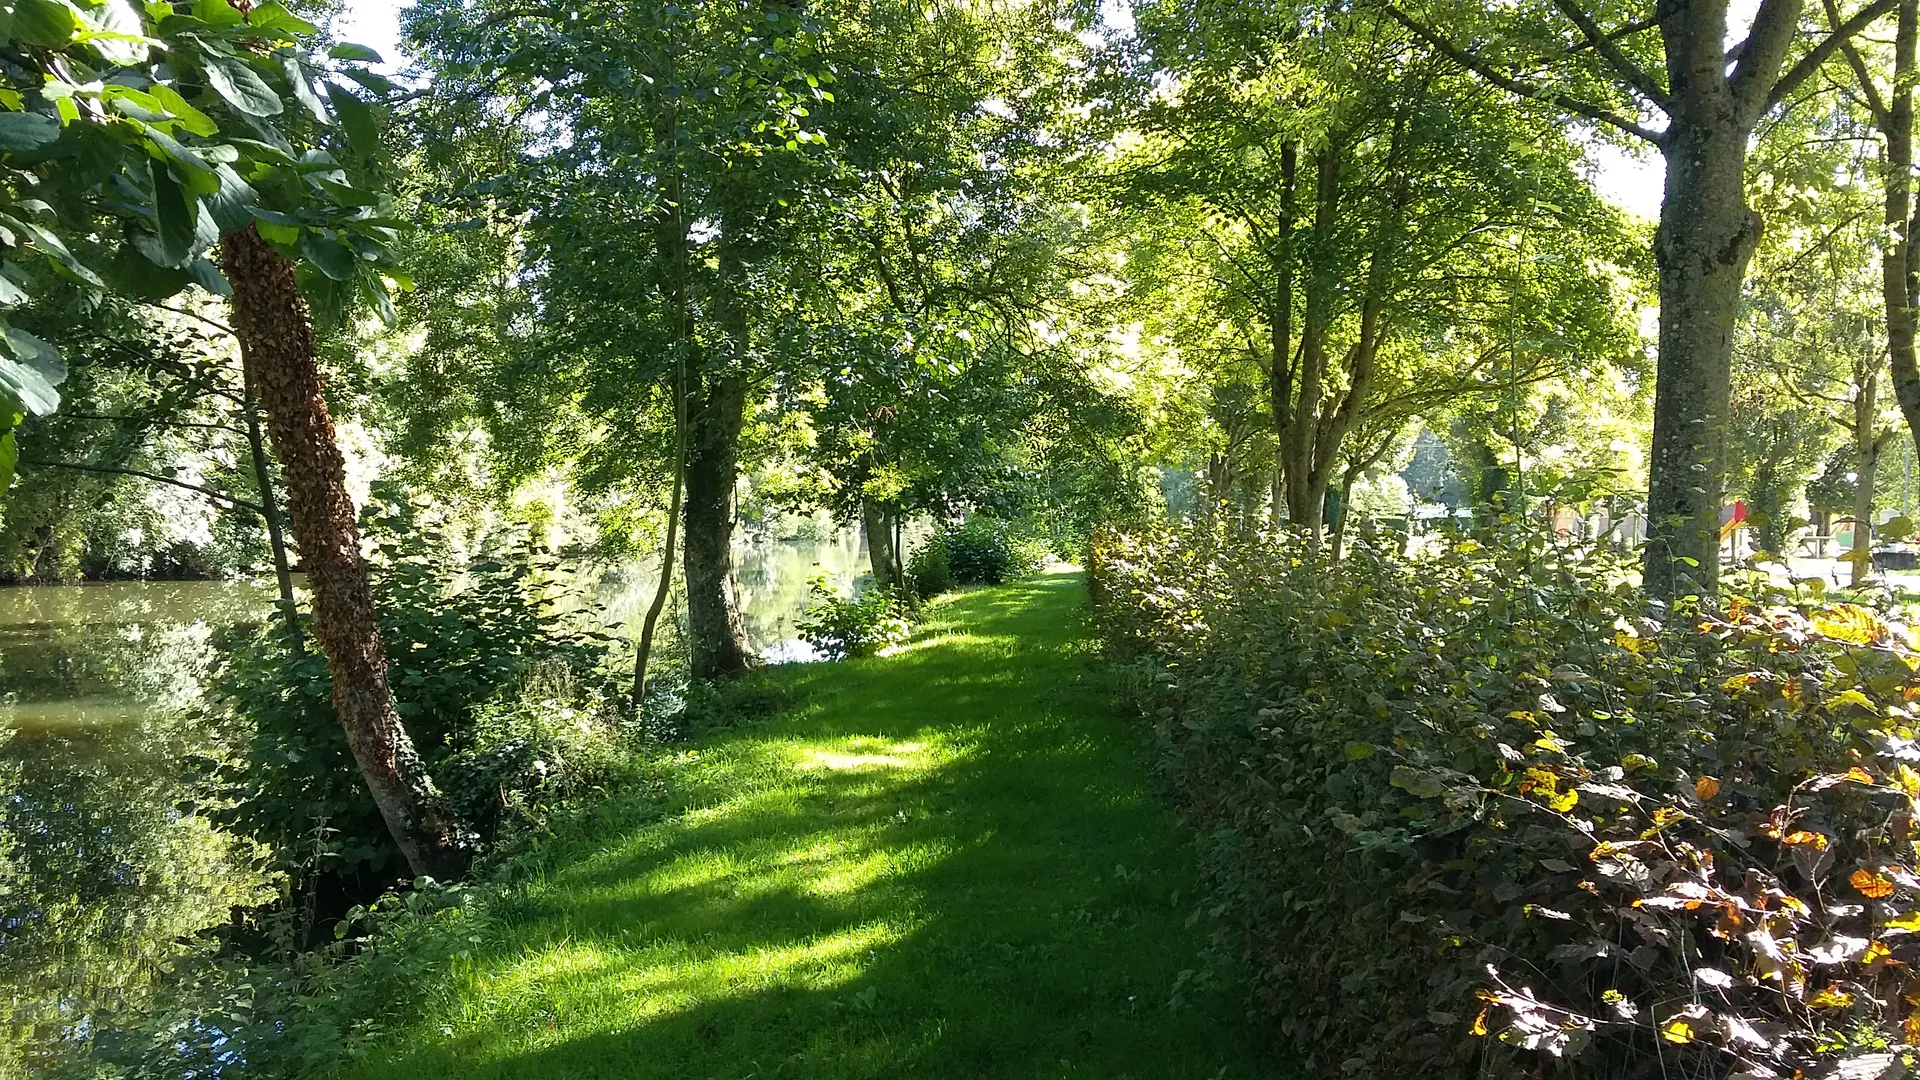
718, 636
882, 555
643, 652
276, 345
1707, 235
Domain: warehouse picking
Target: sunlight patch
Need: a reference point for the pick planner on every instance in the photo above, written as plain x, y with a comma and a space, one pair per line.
868, 754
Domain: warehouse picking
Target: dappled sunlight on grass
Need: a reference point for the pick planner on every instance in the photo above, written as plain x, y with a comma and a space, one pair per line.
861, 752
943, 863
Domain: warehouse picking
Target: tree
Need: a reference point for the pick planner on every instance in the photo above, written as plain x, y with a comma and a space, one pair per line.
1712, 97
654, 235
1361, 209
134, 119
1889, 112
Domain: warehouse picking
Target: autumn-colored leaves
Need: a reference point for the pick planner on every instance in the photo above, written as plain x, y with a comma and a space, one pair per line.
1537, 812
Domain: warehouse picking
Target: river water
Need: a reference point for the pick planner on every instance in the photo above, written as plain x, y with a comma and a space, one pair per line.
105, 864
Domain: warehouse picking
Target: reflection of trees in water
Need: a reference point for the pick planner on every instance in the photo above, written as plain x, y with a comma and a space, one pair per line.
109, 868
773, 583
772, 580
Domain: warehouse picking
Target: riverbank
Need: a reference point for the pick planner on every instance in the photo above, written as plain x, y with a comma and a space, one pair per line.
948, 862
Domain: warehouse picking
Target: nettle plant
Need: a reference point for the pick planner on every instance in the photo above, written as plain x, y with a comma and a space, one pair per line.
133, 136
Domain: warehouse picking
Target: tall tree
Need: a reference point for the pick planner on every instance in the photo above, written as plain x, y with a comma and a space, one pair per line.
1361, 208
1613, 66
133, 114
691, 151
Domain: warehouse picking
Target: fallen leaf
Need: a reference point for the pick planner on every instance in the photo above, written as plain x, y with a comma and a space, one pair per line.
1871, 884
1830, 997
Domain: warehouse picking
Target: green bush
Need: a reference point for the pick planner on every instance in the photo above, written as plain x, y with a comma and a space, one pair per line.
459, 634
541, 744
929, 573
1497, 793
982, 551
859, 625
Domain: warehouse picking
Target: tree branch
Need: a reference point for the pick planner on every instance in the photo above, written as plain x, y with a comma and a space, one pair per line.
1527, 90
155, 477
1636, 76
1818, 55
214, 323
152, 420
1875, 104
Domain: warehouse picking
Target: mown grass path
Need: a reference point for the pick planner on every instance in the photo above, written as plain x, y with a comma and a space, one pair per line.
946, 863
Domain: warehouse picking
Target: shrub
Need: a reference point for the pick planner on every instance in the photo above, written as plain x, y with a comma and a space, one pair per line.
983, 551
458, 633
929, 572
1483, 792
859, 625
542, 743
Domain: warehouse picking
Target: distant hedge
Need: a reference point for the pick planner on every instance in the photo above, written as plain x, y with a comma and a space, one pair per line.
1480, 813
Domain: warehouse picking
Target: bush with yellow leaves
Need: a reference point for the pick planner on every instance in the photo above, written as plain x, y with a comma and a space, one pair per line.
1490, 809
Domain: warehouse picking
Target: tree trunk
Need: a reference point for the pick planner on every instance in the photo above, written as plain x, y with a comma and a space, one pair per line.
1707, 235
643, 652
1337, 545
716, 416
1305, 489
1280, 371
1867, 445
1897, 282
270, 509
882, 556
276, 345
899, 554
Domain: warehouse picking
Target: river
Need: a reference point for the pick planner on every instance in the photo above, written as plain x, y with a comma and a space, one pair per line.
106, 868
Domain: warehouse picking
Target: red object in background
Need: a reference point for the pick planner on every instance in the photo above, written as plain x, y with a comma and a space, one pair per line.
1739, 510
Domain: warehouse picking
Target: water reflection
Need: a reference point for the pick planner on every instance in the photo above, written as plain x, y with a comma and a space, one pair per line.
110, 867
772, 581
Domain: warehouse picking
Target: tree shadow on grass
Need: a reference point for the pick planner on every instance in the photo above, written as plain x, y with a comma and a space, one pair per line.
947, 864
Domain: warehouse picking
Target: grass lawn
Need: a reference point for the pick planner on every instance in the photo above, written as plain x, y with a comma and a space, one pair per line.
946, 863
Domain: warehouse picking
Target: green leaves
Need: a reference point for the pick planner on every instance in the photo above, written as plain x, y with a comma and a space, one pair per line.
26, 131
174, 215
328, 255
161, 131
30, 370
242, 87
50, 24
347, 50
357, 119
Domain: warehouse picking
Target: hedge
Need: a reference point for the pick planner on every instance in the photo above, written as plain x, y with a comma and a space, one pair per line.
1491, 811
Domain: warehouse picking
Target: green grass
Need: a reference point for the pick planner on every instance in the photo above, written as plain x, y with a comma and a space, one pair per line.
946, 863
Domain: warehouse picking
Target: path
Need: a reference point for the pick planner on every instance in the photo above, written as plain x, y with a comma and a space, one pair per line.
945, 864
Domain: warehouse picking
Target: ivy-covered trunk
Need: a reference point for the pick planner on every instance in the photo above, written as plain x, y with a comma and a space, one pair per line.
714, 419
276, 345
